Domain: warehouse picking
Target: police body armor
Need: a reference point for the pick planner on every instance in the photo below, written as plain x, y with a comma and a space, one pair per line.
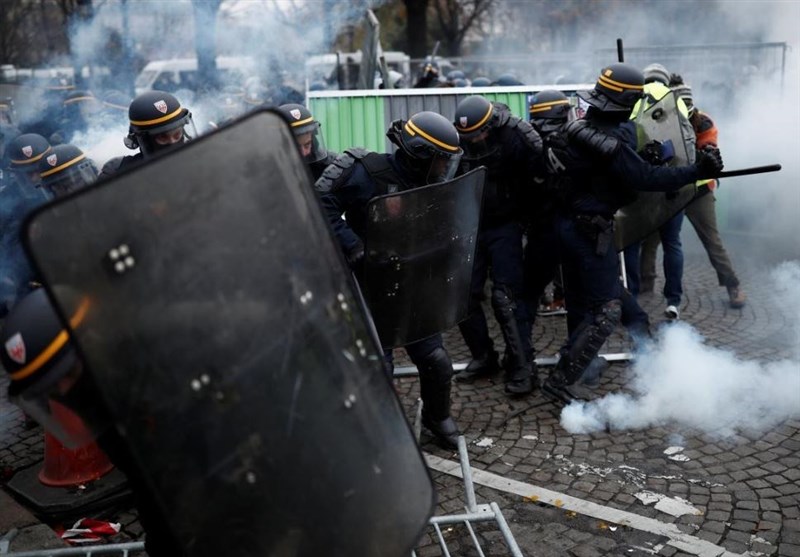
419, 252
662, 128
228, 344
501, 193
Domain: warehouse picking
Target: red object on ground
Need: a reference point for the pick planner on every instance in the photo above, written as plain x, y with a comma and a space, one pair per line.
64, 467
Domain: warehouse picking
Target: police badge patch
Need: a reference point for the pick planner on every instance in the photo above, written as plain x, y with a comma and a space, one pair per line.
463, 121
52, 160
15, 348
295, 113
27, 150
161, 106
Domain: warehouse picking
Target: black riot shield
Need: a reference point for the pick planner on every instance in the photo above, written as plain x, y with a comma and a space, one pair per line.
226, 340
660, 122
420, 247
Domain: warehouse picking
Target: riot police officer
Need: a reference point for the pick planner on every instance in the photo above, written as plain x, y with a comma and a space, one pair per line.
549, 111
511, 151
157, 122
428, 152
601, 172
44, 367
65, 169
306, 132
21, 195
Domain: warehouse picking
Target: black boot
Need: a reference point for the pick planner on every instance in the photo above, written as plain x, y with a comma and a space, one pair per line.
434, 383
484, 366
516, 360
445, 431
557, 385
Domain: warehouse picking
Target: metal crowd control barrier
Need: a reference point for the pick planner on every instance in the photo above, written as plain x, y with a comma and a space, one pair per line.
474, 513
118, 549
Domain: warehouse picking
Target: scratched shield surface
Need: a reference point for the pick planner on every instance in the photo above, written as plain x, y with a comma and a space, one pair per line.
230, 349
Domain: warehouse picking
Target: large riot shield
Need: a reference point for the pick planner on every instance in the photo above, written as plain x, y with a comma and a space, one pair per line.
664, 123
225, 337
420, 249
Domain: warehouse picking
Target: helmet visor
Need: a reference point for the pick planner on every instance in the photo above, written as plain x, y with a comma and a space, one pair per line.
168, 136
443, 167
70, 180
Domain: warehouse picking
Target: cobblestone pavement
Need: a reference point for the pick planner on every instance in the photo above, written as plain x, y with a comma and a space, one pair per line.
739, 494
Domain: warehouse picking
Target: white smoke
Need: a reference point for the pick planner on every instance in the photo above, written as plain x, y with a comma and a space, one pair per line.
682, 381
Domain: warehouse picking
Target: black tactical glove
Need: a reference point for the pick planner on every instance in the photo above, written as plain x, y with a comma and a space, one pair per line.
675, 79
355, 256
709, 162
651, 152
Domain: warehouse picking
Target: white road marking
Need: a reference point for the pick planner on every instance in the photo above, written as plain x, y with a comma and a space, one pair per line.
684, 542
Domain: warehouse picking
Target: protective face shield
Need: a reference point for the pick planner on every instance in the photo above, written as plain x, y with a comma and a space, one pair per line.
428, 146
47, 379
158, 122
80, 176
162, 138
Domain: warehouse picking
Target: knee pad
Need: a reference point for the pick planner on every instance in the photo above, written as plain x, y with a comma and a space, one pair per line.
503, 303
437, 363
608, 316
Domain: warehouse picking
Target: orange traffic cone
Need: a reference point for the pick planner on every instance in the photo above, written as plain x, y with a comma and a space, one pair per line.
51, 489
64, 467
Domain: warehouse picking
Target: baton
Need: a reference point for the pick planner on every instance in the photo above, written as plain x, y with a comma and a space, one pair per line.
620, 53
751, 170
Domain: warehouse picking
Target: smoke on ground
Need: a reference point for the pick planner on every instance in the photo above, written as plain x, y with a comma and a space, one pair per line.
682, 381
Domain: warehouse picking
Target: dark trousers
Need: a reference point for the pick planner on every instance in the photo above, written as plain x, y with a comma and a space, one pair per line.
499, 255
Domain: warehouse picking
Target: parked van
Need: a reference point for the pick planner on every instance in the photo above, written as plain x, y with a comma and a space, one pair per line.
181, 73
340, 70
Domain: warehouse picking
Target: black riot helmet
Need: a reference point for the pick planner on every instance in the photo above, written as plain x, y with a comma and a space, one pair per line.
43, 365
428, 146
306, 131
549, 110
23, 154
618, 89
155, 118
66, 168
474, 116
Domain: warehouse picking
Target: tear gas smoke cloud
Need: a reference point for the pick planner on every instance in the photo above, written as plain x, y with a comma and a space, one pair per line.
682, 381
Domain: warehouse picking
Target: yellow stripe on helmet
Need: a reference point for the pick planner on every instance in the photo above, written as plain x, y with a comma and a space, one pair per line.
31, 160
61, 339
155, 121
302, 122
77, 99
61, 167
617, 86
414, 130
480, 123
540, 107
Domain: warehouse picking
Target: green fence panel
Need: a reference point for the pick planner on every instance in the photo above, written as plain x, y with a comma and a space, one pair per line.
350, 121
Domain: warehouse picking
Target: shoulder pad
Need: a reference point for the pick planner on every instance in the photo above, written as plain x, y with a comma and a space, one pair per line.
580, 132
111, 167
338, 171
502, 114
527, 133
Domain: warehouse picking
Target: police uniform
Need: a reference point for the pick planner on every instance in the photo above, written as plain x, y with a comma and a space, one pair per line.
347, 186
511, 151
602, 173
